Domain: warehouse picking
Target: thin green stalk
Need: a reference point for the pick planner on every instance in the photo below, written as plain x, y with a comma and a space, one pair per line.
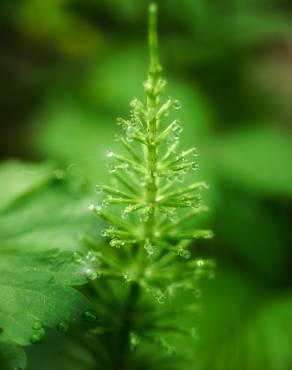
152, 107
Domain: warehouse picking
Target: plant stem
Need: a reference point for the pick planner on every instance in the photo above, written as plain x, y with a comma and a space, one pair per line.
128, 319
127, 326
152, 105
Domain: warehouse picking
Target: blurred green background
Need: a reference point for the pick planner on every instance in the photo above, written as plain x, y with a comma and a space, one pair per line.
68, 68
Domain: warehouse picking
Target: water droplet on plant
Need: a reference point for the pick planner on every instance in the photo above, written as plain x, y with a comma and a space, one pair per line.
195, 166
125, 214
195, 152
112, 168
171, 214
90, 256
127, 277
37, 337
129, 138
120, 121
160, 297
134, 103
134, 341
125, 167
150, 249
37, 325
91, 207
77, 257
98, 189
200, 263
90, 274
98, 210
184, 253
208, 234
89, 316
63, 327
104, 233
176, 105
148, 86
105, 202
116, 243
109, 153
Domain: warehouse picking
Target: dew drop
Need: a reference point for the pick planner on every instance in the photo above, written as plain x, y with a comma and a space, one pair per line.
134, 103
125, 214
148, 86
129, 138
37, 325
77, 257
105, 202
90, 274
112, 168
195, 152
200, 263
127, 277
116, 243
109, 153
176, 104
160, 297
37, 337
91, 207
134, 341
90, 256
171, 214
89, 316
184, 253
149, 248
98, 210
208, 235
98, 189
125, 167
195, 166
63, 327
104, 233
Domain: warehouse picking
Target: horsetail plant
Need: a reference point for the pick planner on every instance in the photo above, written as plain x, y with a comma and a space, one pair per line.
150, 205
150, 187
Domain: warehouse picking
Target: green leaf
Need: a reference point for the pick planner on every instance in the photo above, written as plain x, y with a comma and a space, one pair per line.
243, 325
259, 160
12, 356
38, 233
37, 288
19, 179
54, 217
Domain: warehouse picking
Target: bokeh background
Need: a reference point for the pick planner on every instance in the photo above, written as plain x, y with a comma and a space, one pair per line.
68, 69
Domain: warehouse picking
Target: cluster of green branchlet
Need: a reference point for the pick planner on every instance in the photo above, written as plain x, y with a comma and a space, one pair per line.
151, 199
